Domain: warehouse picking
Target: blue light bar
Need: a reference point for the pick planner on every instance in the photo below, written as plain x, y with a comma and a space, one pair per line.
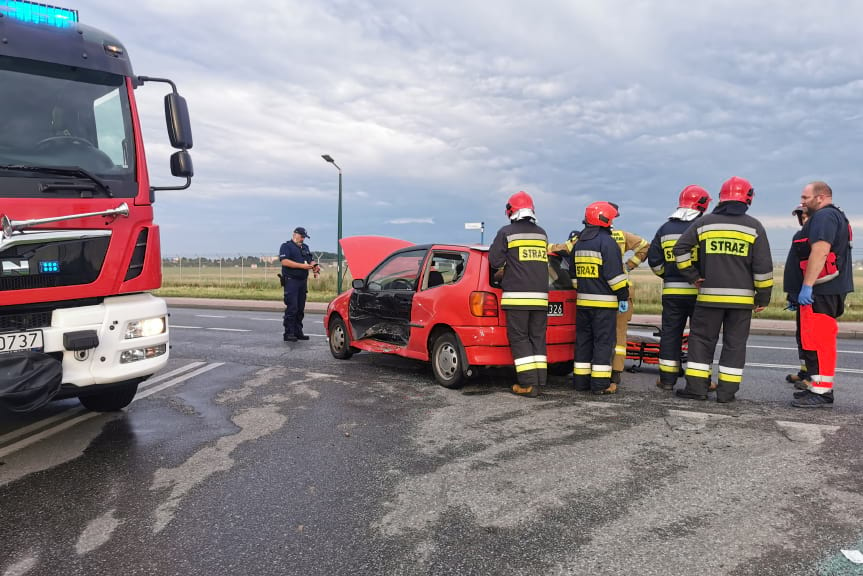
49, 267
36, 13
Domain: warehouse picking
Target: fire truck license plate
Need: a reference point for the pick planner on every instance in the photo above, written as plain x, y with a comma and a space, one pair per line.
18, 341
555, 308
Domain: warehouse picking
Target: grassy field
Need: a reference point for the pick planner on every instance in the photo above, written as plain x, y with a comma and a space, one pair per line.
262, 284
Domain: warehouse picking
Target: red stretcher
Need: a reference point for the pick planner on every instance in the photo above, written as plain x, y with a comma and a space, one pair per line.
642, 344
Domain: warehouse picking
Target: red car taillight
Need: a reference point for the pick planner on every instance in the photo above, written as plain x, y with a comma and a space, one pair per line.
483, 304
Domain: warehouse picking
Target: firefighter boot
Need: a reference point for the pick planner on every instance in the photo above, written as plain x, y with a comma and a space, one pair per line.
615, 377
528, 391
612, 389
664, 385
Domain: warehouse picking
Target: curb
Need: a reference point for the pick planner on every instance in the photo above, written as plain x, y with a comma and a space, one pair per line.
850, 331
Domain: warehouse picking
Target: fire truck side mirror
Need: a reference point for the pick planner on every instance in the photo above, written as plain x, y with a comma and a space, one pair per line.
179, 124
181, 164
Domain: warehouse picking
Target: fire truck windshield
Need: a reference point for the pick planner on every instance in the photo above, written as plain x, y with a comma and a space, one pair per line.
58, 116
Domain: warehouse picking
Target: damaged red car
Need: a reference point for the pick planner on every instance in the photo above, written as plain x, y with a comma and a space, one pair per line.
437, 303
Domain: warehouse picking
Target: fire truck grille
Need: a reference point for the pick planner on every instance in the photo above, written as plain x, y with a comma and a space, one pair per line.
24, 321
27, 282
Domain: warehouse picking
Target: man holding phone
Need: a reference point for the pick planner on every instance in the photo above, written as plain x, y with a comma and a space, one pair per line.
296, 259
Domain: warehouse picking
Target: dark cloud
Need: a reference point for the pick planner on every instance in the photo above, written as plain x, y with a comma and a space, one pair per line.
437, 112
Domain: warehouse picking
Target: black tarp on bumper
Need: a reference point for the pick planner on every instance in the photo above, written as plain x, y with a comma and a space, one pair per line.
28, 380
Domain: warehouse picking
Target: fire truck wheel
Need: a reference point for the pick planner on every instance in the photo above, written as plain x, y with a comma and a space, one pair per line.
113, 399
447, 361
340, 342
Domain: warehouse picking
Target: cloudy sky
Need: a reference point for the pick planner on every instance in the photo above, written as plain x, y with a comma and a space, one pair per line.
437, 111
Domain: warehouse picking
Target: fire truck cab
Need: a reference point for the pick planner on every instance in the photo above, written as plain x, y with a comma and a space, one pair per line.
78, 247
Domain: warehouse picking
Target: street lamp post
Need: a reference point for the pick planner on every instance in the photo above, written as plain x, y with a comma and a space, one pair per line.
329, 159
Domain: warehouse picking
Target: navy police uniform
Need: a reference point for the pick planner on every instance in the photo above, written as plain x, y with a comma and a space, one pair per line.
296, 285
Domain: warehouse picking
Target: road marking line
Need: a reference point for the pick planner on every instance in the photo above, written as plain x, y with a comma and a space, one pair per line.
797, 367
72, 411
208, 316
159, 377
795, 349
65, 425
189, 327
176, 381
229, 329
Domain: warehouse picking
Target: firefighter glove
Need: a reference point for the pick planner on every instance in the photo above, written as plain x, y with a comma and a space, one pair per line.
805, 297
623, 306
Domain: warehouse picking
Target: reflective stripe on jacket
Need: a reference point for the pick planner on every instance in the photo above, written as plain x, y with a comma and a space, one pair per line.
660, 257
734, 260
598, 266
521, 249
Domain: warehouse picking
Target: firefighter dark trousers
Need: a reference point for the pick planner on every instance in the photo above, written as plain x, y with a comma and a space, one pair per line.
675, 312
703, 335
832, 305
295, 305
594, 347
526, 332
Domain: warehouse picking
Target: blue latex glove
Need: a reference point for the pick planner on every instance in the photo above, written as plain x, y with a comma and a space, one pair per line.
805, 297
623, 306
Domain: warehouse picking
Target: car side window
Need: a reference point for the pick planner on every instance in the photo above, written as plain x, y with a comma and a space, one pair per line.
444, 268
398, 272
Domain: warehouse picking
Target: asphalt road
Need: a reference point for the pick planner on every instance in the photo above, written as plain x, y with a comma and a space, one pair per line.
252, 456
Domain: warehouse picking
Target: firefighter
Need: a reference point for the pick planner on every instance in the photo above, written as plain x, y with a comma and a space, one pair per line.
734, 276
792, 280
824, 250
678, 294
627, 242
603, 294
520, 251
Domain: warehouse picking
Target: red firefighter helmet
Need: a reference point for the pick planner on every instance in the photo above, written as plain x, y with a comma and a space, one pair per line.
694, 197
518, 201
736, 189
601, 214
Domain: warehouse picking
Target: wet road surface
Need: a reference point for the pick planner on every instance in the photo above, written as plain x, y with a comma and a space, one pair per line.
248, 455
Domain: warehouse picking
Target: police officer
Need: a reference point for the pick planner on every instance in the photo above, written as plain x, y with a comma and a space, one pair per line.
792, 281
603, 293
734, 276
824, 250
297, 260
678, 295
520, 251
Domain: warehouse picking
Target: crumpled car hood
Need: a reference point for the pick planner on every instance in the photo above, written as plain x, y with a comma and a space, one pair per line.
363, 253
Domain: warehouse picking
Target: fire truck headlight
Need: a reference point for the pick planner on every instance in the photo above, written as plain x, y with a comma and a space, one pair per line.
146, 327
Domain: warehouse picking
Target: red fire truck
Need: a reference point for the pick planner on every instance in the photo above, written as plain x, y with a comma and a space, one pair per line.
78, 247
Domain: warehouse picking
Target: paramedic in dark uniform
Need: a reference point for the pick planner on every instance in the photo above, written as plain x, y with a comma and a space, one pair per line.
297, 260
792, 281
520, 251
824, 251
734, 277
678, 295
603, 293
